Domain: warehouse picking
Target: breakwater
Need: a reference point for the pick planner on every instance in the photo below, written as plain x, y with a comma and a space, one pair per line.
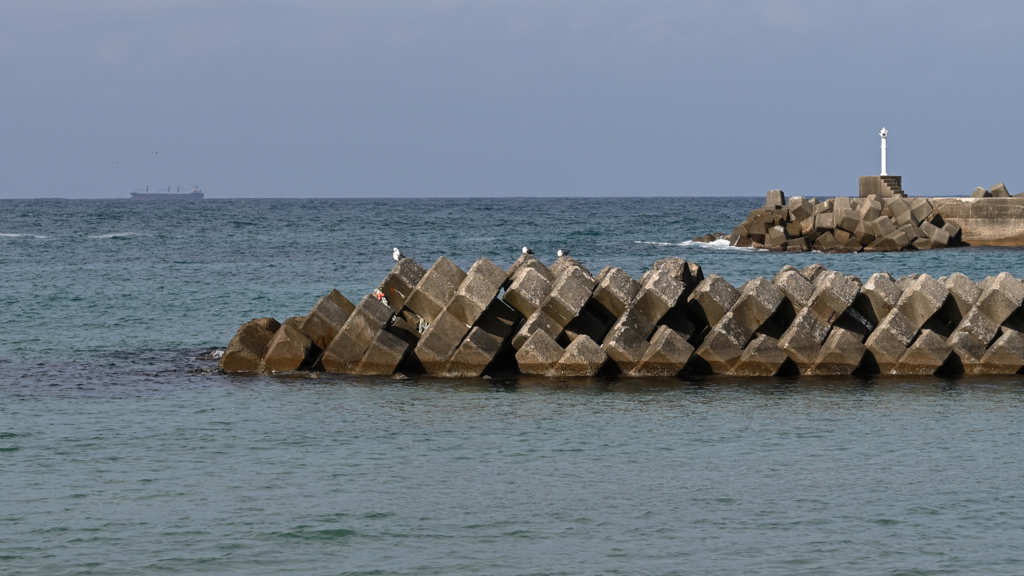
871, 224
562, 321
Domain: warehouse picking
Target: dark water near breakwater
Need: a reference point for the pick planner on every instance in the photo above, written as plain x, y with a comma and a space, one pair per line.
121, 453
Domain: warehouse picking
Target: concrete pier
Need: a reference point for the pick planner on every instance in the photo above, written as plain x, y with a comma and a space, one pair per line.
563, 322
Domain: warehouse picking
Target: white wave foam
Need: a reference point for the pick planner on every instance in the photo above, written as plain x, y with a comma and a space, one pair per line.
114, 235
720, 244
216, 353
22, 236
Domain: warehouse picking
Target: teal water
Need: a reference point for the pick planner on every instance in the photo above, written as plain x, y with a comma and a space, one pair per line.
123, 452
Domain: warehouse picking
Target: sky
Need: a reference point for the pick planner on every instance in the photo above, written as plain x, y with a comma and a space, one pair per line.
451, 98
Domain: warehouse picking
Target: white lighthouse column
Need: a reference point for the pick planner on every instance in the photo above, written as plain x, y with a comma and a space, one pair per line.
884, 134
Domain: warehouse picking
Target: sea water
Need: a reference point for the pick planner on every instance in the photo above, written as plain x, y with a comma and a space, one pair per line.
123, 451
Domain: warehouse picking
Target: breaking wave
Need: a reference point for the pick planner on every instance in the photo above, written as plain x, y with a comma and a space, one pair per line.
2, 235
720, 244
114, 235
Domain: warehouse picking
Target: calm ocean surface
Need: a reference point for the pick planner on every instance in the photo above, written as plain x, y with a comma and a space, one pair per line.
122, 451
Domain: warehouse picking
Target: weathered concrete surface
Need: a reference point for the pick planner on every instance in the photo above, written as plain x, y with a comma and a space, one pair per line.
327, 317
245, 351
289, 349
667, 354
985, 221
346, 350
811, 321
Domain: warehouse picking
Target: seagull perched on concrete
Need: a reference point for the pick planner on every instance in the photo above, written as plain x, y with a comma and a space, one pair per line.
563, 253
397, 255
527, 250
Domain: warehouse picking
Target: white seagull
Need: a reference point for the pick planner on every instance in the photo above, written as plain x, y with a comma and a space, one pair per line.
397, 254
563, 253
527, 250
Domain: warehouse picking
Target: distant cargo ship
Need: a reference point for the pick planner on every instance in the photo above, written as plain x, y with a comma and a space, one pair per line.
194, 194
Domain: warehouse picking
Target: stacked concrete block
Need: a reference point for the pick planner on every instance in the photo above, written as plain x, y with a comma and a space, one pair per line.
667, 354
616, 291
437, 286
327, 317
400, 282
562, 322
384, 355
438, 343
539, 354
474, 295
289, 349
762, 357
841, 354
345, 352
758, 301
528, 291
583, 357
245, 351
871, 224
484, 342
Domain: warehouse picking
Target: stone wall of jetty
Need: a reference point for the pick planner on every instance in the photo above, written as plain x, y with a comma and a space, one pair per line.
561, 321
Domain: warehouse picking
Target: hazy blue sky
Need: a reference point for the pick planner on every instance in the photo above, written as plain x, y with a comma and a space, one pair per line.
318, 98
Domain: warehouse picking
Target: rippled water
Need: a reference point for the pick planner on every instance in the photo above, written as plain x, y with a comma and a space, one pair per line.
122, 452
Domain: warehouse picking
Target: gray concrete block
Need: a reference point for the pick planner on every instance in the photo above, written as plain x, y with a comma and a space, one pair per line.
775, 198
616, 291
528, 291
384, 355
326, 318
882, 227
840, 355
812, 271
964, 292
399, 283
539, 354
565, 263
435, 289
921, 299
689, 273
582, 358
1000, 191
878, 296
345, 352
567, 297
528, 261
972, 336
480, 286
667, 354
980, 192
289, 349
626, 342
712, 298
245, 351
474, 355
890, 340
762, 357
848, 220
824, 222
538, 321
439, 342
925, 355
720, 351
658, 294
1001, 298
1004, 356
758, 301
833, 294
796, 288
803, 338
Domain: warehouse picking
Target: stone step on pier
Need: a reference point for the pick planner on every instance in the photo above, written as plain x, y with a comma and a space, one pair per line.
563, 322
